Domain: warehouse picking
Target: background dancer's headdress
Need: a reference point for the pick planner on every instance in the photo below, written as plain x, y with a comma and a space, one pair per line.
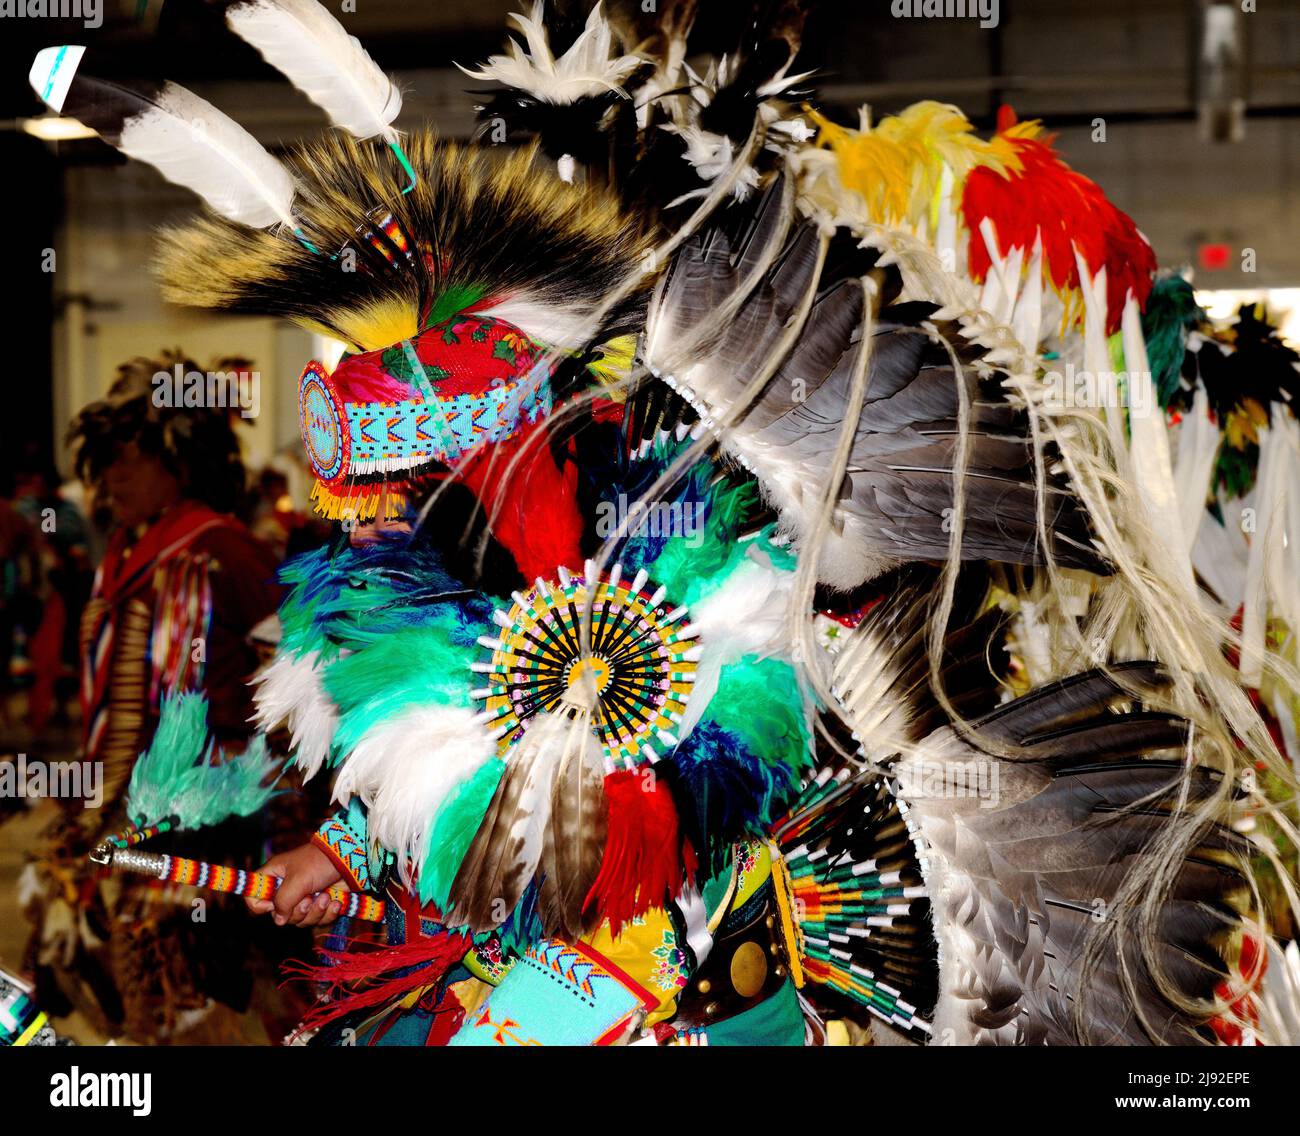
197, 444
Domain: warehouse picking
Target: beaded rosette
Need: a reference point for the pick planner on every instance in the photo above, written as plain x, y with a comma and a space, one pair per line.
640, 659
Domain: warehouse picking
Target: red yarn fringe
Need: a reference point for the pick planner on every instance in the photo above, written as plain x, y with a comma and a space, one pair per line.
645, 862
432, 956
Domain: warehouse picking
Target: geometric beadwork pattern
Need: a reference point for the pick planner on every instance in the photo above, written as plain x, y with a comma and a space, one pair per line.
348, 852
640, 661
347, 439
322, 419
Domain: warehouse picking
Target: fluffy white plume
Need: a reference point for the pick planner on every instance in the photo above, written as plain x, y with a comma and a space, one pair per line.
547, 322
747, 615
290, 691
1280, 997
1274, 563
318, 56
1149, 448
404, 767
588, 68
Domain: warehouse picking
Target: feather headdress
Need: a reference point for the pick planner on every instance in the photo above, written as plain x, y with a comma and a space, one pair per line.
304, 41
1041, 198
590, 65
898, 165
529, 248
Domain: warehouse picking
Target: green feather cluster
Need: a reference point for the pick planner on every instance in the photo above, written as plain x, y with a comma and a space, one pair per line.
454, 827
416, 666
182, 776
760, 701
707, 514
1171, 312
313, 581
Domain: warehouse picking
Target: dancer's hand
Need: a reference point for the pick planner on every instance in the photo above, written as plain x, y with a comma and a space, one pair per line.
305, 871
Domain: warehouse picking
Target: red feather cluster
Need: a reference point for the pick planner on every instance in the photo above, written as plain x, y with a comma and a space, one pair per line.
644, 861
529, 499
1046, 196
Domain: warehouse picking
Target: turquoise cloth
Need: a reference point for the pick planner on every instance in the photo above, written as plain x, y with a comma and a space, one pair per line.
552, 996
778, 1021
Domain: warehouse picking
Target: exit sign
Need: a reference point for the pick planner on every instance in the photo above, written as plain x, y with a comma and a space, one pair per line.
1214, 256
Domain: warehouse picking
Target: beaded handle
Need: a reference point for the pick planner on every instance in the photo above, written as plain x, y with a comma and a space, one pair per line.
233, 881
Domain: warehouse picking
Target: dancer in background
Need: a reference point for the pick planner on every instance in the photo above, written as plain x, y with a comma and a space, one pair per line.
181, 585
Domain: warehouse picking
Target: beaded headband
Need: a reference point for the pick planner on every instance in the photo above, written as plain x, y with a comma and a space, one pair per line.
383, 418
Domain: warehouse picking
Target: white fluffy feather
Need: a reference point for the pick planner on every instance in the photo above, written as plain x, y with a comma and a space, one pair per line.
405, 767
747, 615
290, 691
1149, 449
1280, 997
547, 322
193, 144
1198, 444
1274, 562
318, 56
588, 68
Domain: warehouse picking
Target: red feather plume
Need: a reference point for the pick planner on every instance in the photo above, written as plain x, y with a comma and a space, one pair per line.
533, 507
645, 863
1070, 210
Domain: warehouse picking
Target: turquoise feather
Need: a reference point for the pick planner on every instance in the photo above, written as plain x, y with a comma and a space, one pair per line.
690, 564
454, 827
1171, 312
182, 776
418, 666
760, 701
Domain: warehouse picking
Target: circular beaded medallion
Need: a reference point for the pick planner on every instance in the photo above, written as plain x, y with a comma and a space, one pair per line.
640, 665
322, 423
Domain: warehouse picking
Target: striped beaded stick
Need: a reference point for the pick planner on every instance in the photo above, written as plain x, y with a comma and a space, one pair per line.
130, 837
233, 881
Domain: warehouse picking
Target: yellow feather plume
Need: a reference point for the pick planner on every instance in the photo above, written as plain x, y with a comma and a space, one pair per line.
897, 166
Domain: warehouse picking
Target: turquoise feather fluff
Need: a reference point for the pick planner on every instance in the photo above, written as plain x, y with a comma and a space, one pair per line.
418, 666
708, 514
1171, 312
184, 777
740, 767
759, 701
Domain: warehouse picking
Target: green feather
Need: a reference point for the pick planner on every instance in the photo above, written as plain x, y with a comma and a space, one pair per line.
181, 775
453, 301
1170, 313
417, 666
693, 565
454, 827
761, 701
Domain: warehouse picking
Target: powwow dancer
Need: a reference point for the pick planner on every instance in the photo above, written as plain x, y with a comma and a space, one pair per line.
923, 720
181, 585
